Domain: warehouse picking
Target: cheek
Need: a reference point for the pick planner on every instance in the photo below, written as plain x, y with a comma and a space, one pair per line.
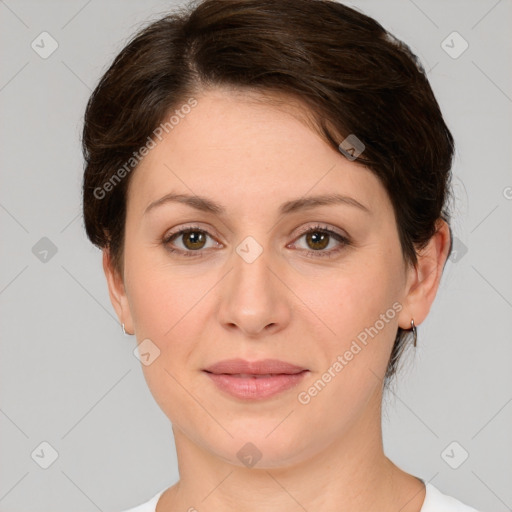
361, 294
359, 313
360, 305
161, 298
165, 308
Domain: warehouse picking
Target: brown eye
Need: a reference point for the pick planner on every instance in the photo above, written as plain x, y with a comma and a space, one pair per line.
193, 240
317, 240
188, 242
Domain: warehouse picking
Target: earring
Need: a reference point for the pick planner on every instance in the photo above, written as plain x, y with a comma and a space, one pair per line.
124, 331
414, 331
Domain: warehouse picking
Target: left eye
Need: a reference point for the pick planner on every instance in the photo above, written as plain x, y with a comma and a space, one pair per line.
318, 239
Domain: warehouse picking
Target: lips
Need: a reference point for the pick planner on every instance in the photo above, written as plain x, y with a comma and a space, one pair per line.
262, 368
256, 380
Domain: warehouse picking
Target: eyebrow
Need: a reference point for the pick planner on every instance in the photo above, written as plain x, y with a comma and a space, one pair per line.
304, 203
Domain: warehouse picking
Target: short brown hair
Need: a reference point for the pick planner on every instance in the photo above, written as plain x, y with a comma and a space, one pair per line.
349, 72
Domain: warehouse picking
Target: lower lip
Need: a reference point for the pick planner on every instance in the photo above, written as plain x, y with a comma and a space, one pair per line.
256, 388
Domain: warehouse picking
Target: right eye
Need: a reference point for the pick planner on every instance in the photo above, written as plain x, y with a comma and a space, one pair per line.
193, 240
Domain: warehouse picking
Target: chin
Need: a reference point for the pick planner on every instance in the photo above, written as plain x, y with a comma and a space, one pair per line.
260, 445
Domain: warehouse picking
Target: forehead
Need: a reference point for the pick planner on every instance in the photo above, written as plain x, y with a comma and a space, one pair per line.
248, 149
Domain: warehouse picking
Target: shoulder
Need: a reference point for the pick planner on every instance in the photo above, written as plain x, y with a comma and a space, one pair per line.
436, 501
148, 506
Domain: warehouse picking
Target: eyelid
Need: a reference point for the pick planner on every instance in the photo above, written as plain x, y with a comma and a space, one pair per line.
193, 227
320, 226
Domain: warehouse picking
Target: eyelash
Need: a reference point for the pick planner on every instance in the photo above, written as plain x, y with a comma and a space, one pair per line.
344, 241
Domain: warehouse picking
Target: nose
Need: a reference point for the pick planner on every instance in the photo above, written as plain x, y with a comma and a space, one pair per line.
253, 297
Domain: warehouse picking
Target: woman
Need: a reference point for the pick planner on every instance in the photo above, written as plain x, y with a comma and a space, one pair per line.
268, 181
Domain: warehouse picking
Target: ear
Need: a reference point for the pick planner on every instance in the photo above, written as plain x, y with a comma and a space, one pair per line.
117, 292
424, 278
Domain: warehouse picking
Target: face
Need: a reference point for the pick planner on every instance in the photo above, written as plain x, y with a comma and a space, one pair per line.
320, 286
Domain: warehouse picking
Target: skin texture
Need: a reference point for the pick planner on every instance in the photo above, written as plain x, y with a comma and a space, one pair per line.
287, 304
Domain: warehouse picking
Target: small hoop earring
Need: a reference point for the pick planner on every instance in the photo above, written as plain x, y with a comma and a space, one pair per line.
124, 331
414, 331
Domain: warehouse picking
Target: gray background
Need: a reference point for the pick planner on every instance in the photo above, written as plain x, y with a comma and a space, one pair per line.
69, 376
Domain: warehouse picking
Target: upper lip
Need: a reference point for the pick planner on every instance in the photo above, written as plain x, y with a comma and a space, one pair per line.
262, 367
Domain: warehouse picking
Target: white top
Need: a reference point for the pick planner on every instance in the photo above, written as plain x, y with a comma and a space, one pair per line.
435, 501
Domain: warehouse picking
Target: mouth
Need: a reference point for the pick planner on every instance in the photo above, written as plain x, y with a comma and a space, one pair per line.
254, 380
